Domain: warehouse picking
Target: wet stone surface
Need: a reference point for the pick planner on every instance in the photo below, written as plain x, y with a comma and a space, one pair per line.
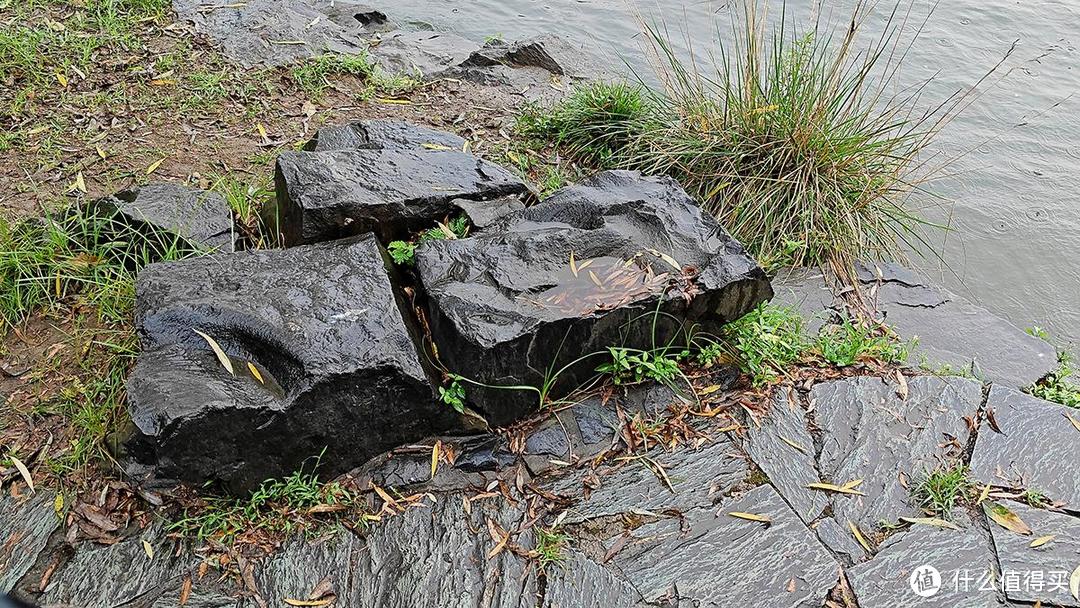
164, 211
1052, 563
746, 562
381, 134
592, 266
953, 332
389, 190
1035, 447
885, 581
321, 358
25, 526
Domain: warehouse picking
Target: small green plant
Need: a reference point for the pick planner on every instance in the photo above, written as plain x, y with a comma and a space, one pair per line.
1059, 385
848, 343
709, 354
630, 366
279, 506
766, 341
312, 76
454, 394
941, 490
493, 38
402, 252
1035, 498
550, 546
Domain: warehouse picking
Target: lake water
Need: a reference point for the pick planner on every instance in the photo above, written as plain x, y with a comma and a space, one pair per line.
1012, 183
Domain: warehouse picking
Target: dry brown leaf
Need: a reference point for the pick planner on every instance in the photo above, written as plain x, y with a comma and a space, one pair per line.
1042, 540
221, 356
931, 521
499, 536
859, 536
185, 591
829, 487
25, 472
1006, 518
902, 387
389, 500
751, 517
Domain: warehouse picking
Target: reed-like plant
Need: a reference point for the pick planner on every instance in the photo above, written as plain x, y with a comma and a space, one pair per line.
792, 140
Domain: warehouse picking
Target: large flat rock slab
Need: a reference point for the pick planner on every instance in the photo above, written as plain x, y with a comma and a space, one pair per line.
1038, 574
173, 215
698, 477
381, 134
709, 558
390, 190
963, 559
582, 583
25, 526
870, 432
278, 32
1035, 446
953, 332
620, 259
321, 359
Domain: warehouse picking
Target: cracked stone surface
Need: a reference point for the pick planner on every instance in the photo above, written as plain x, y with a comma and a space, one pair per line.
783, 449
247, 31
583, 583
391, 190
1050, 564
712, 559
954, 332
423, 54
1037, 447
25, 527
336, 365
116, 574
870, 433
502, 303
698, 477
805, 290
884, 581
162, 209
380, 134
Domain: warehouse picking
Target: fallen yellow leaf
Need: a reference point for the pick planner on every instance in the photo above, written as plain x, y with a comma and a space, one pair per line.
829, 487
435, 147
222, 357
751, 517
1006, 518
61, 78
323, 602
25, 472
931, 521
148, 548
255, 372
1074, 421
1042, 540
792, 443
435, 457
859, 536
154, 165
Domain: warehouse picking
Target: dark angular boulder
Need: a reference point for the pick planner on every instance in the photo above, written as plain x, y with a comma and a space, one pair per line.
621, 260
162, 209
390, 190
321, 358
422, 54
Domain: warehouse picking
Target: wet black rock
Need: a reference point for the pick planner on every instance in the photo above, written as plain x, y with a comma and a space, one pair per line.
251, 33
709, 558
1030, 574
953, 332
963, 558
392, 191
162, 211
870, 432
321, 358
25, 526
422, 54
1034, 446
591, 267
381, 134
549, 52
782, 447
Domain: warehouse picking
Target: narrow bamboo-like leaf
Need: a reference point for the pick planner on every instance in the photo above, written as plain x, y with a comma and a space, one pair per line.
830, 487
101, 152
262, 130
851, 485
1074, 421
708, 390
595, 279
222, 357
154, 165
573, 264
255, 372
25, 472
984, 494
792, 443
185, 591
751, 517
1042, 540
440, 147
1006, 518
148, 548
931, 521
435, 458
859, 536
322, 602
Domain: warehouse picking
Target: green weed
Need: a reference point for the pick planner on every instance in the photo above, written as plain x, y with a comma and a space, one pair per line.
631, 366
402, 252
941, 490
313, 75
453, 394
848, 343
767, 341
1059, 385
550, 546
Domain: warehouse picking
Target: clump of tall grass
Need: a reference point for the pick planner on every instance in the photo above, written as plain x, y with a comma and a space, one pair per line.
792, 142
83, 257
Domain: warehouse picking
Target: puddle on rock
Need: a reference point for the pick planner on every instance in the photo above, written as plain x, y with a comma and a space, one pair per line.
602, 283
251, 371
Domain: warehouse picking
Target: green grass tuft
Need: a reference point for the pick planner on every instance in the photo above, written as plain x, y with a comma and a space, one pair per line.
550, 546
941, 490
1060, 386
767, 341
848, 343
313, 76
792, 141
